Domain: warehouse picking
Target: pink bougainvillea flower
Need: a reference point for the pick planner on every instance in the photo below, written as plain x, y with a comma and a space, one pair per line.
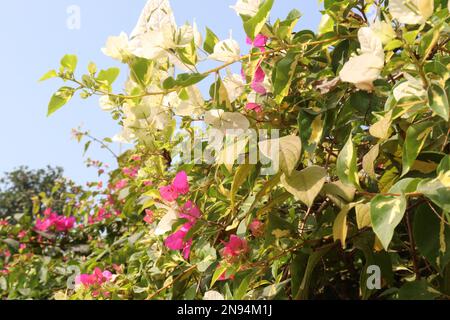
64, 223
130, 172
148, 183
190, 212
22, 246
53, 221
3, 222
253, 106
136, 158
121, 184
257, 228
259, 42
22, 234
149, 216
187, 249
176, 240
258, 81
235, 247
180, 183
168, 193
97, 278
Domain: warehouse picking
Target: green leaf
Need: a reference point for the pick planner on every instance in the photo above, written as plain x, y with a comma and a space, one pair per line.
69, 62
49, 75
416, 136
346, 164
437, 191
311, 129
140, 71
108, 76
243, 286
305, 185
340, 227
386, 212
240, 177
277, 228
417, 290
438, 101
339, 193
183, 80
284, 151
219, 271
313, 260
254, 25
282, 76
59, 99
427, 223
210, 41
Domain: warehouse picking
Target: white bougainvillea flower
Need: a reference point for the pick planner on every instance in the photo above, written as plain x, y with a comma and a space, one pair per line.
155, 15
126, 136
224, 121
117, 47
184, 35
246, 7
364, 69
383, 30
412, 87
189, 103
167, 221
198, 39
226, 51
411, 11
370, 42
106, 104
213, 295
235, 85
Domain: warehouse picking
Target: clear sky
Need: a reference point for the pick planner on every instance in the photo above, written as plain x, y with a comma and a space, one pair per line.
35, 36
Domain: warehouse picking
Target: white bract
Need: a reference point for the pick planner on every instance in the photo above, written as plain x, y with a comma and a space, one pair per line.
246, 7
106, 104
117, 47
189, 103
383, 30
226, 51
364, 69
155, 15
412, 87
167, 221
411, 11
235, 86
156, 32
224, 121
213, 295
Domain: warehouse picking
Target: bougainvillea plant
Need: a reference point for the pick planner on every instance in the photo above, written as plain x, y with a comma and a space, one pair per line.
355, 117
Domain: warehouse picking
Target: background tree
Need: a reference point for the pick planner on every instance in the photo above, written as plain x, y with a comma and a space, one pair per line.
19, 187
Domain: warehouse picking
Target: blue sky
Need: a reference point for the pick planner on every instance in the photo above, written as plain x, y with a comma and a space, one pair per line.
35, 36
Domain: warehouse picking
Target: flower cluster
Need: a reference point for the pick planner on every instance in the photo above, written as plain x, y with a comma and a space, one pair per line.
177, 241
54, 222
94, 281
179, 186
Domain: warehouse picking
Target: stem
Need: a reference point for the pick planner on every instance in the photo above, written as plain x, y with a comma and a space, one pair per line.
151, 296
103, 144
412, 245
214, 70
